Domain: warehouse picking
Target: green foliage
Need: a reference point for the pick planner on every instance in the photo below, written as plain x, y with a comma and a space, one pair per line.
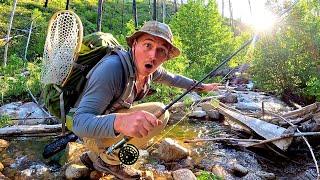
14, 79
313, 87
5, 120
287, 59
205, 175
206, 41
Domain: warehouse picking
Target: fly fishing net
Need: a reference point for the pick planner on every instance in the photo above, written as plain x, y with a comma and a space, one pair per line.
62, 46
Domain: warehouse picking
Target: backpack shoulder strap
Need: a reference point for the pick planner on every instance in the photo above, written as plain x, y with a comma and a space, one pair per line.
129, 78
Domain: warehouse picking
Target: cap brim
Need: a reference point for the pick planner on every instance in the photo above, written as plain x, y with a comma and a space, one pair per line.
173, 51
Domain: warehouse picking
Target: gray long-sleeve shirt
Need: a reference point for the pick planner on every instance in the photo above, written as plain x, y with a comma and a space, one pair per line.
105, 84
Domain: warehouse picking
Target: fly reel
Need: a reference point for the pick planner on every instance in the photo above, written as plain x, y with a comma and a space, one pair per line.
128, 154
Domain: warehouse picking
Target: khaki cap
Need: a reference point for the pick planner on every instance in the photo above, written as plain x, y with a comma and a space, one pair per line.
157, 29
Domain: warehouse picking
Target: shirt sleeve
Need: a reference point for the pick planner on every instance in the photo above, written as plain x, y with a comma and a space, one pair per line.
103, 85
165, 77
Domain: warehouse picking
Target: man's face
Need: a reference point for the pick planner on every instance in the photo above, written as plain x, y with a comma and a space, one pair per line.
149, 52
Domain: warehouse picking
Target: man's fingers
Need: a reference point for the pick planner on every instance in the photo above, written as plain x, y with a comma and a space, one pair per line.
143, 132
151, 118
147, 125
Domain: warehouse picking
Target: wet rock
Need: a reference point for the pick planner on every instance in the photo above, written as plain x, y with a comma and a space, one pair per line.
228, 98
207, 106
163, 175
265, 175
239, 170
8, 161
214, 114
35, 171
183, 174
18, 110
219, 171
147, 175
95, 175
3, 177
1, 167
247, 106
187, 163
251, 176
74, 151
3, 145
193, 96
169, 150
198, 114
75, 171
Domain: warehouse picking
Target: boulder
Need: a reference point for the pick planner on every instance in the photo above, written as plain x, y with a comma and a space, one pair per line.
74, 151
219, 171
239, 170
248, 106
19, 110
198, 114
193, 96
75, 171
214, 114
183, 174
169, 150
3, 145
187, 163
95, 175
228, 98
1, 167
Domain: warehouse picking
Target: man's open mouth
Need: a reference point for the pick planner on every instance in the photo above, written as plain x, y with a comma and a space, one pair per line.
148, 66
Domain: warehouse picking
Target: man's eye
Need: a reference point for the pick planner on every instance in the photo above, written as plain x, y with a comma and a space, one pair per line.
148, 45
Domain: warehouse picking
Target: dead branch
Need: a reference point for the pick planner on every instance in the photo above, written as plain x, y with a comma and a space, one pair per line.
286, 136
221, 139
32, 118
300, 112
305, 139
32, 129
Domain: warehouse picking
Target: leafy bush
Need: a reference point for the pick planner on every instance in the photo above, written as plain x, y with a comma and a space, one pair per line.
205, 175
5, 120
205, 40
17, 76
286, 60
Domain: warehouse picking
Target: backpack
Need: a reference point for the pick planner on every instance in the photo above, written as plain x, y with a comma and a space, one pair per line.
59, 98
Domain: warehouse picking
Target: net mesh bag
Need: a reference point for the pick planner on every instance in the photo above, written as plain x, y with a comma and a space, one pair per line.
62, 46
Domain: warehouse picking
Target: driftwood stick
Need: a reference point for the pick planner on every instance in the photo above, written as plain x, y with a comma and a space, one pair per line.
221, 139
32, 118
306, 141
286, 136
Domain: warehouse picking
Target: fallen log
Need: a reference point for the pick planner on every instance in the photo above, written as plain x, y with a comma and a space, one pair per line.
312, 108
32, 129
262, 128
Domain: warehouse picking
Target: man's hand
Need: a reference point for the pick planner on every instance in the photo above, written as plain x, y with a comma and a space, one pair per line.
136, 124
209, 87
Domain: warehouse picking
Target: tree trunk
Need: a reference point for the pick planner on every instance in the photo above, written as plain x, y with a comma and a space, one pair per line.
29, 36
154, 15
222, 8
46, 4
67, 4
175, 6
250, 7
163, 11
99, 18
134, 11
231, 16
122, 16
5, 56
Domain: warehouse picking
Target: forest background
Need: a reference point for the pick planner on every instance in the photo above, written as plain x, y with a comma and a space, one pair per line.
284, 61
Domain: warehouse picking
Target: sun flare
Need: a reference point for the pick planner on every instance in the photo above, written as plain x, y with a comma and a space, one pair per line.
263, 21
